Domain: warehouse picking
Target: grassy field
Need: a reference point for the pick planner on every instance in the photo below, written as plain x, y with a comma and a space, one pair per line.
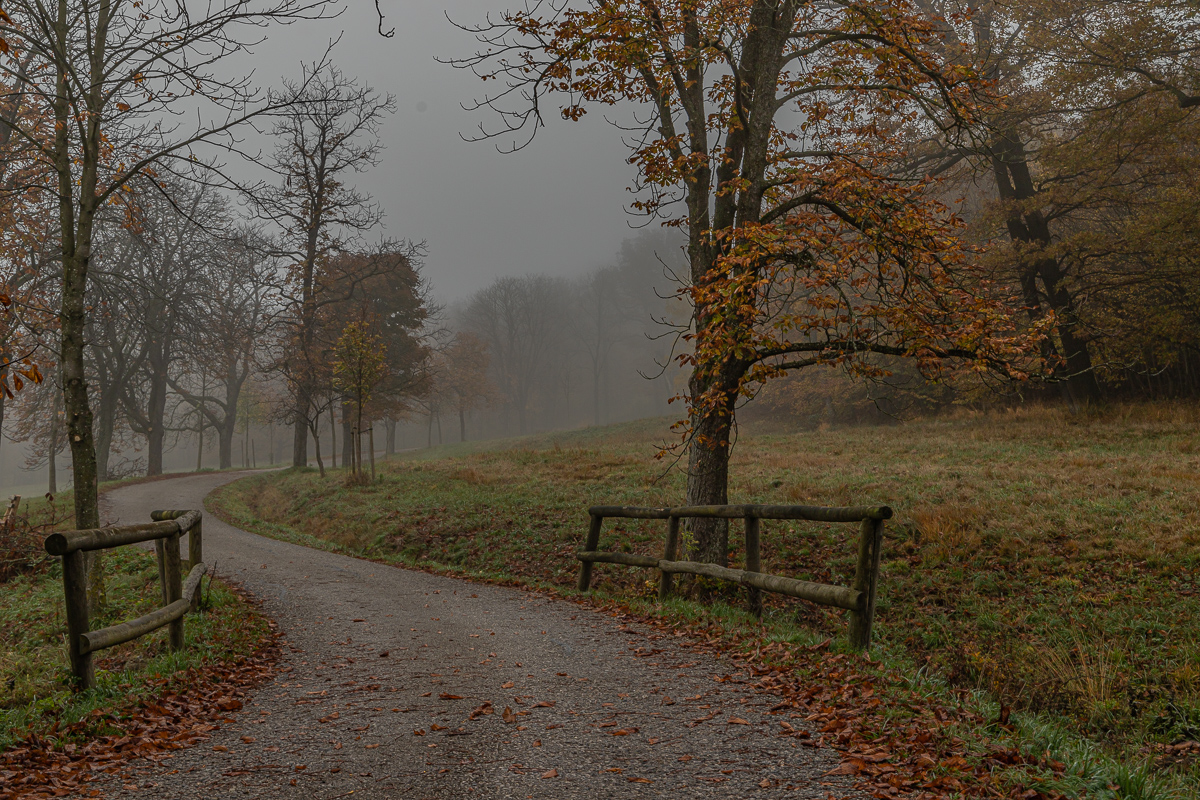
35, 693
1048, 559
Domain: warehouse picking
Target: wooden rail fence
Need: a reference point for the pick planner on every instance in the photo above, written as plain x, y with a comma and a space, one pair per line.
859, 599
178, 596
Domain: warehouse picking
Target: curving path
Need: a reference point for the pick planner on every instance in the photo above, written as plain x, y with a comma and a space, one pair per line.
385, 667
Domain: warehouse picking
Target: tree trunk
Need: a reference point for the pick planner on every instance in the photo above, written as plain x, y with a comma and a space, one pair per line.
1028, 226
317, 447
347, 434
708, 476
52, 483
156, 407
300, 434
462, 424
371, 449
389, 427
106, 422
333, 437
225, 441
75, 243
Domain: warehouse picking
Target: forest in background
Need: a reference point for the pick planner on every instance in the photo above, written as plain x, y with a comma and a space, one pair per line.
234, 316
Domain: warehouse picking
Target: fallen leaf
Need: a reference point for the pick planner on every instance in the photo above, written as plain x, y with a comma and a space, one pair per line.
446, 696
550, 773
248, 739
544, 704
508, 716
371, 746
507, 685
639, 780
220, 748
738, 721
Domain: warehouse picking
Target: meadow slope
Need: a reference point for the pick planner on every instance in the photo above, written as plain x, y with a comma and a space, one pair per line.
1048, 559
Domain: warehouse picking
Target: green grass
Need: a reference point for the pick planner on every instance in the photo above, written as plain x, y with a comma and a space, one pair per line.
35, 687
1046, 560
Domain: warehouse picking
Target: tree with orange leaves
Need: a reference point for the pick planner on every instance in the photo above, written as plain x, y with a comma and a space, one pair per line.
776, 133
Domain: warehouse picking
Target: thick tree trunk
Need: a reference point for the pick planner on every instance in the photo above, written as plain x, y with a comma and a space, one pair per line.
300, 434
225, 441
708, 476
1029, 227
156, 408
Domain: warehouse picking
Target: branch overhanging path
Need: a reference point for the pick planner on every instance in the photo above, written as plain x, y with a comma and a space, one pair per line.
397, 683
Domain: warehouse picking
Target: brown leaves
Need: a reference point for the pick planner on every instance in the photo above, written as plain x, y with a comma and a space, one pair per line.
550, 773
180, 715
448, 696
482, 711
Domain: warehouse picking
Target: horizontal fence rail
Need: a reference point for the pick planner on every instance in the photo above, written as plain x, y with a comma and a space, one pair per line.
178, 597
859, 600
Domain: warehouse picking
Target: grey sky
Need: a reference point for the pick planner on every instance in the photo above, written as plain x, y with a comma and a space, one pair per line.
557, 207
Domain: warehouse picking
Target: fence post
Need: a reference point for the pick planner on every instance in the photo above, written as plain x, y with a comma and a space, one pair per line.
160, 553
593, 541
866, 575
665, 581
75, 589
753, 563
173, 586
195, 555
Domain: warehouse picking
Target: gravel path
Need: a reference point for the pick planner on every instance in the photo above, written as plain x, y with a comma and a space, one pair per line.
385, 666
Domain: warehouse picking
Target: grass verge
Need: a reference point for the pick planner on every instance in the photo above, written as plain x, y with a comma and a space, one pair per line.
1045, 563
36, 698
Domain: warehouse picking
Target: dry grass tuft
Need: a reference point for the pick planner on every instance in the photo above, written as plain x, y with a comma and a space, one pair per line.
947, 532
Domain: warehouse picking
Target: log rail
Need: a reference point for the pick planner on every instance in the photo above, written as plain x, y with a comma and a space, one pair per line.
179, 597
859, 599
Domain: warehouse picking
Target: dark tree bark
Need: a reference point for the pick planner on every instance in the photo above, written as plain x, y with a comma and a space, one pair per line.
1028, 228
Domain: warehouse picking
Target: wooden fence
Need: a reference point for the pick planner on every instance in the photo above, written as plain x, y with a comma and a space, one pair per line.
859, 600
178, 596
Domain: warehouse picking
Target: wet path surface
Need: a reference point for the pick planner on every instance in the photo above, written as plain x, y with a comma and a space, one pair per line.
403, 684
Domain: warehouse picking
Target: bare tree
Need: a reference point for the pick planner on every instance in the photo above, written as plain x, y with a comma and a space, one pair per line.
222, 340
329, 134
111, 75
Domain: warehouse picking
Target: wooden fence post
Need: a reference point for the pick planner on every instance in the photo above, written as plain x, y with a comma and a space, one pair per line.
160, 553
593, 541
866, 575
669, 554
173, 586
75, 589
753, 563
195, 556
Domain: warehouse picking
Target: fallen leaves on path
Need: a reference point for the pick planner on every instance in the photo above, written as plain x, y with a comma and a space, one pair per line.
182, 712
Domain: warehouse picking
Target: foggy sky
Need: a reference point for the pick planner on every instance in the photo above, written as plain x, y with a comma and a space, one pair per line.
558, 207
